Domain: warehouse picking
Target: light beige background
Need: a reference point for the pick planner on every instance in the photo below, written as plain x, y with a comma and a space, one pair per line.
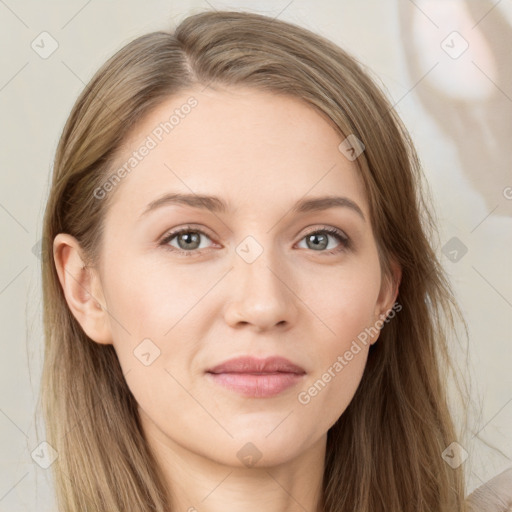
458, 110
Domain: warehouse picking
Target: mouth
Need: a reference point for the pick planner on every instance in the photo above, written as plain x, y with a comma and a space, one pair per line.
257, 378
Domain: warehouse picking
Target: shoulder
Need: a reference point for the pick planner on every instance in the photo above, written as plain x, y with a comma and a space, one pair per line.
493, 496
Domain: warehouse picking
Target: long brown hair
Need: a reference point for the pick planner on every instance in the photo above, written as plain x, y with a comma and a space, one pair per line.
385, 451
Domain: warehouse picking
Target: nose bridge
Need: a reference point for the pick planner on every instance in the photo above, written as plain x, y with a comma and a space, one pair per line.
260, 294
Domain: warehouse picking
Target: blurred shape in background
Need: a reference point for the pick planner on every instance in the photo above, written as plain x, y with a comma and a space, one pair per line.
463, 52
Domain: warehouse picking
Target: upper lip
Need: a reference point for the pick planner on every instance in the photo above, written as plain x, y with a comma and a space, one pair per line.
249, 364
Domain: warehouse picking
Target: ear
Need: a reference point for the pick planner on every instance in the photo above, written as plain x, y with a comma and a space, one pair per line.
82, 288
387, 296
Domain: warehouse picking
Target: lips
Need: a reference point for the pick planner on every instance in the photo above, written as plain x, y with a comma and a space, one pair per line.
257, 366
256, 378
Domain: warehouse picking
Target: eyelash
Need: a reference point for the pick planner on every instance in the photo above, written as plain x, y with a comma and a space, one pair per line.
339, 235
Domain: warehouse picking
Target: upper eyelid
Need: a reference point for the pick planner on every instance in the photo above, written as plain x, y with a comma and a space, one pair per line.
314, 229
174, 232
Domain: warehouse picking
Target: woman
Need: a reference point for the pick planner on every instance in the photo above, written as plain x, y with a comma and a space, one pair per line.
241, 304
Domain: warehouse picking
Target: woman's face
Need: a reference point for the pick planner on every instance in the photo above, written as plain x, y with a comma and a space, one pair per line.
254, 274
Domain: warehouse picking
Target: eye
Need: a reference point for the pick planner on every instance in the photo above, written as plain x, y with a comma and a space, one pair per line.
319, 240
188, 240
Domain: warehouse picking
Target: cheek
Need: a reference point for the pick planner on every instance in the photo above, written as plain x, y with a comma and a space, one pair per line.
150, 302
152, 336
340, 366
329, 391
159, 316
346, 303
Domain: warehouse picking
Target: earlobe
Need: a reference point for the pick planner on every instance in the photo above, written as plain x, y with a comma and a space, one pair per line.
82, 288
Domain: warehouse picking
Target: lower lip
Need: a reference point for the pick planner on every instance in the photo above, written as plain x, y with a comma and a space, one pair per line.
257, 385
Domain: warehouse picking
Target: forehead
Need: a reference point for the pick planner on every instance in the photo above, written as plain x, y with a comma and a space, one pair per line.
253, 148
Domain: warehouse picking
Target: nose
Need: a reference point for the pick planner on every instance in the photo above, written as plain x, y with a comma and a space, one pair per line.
260, 293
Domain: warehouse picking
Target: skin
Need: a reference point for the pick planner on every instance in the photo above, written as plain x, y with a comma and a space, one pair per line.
260, 153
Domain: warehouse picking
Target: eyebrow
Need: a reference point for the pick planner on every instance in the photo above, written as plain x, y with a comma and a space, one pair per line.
217, 205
